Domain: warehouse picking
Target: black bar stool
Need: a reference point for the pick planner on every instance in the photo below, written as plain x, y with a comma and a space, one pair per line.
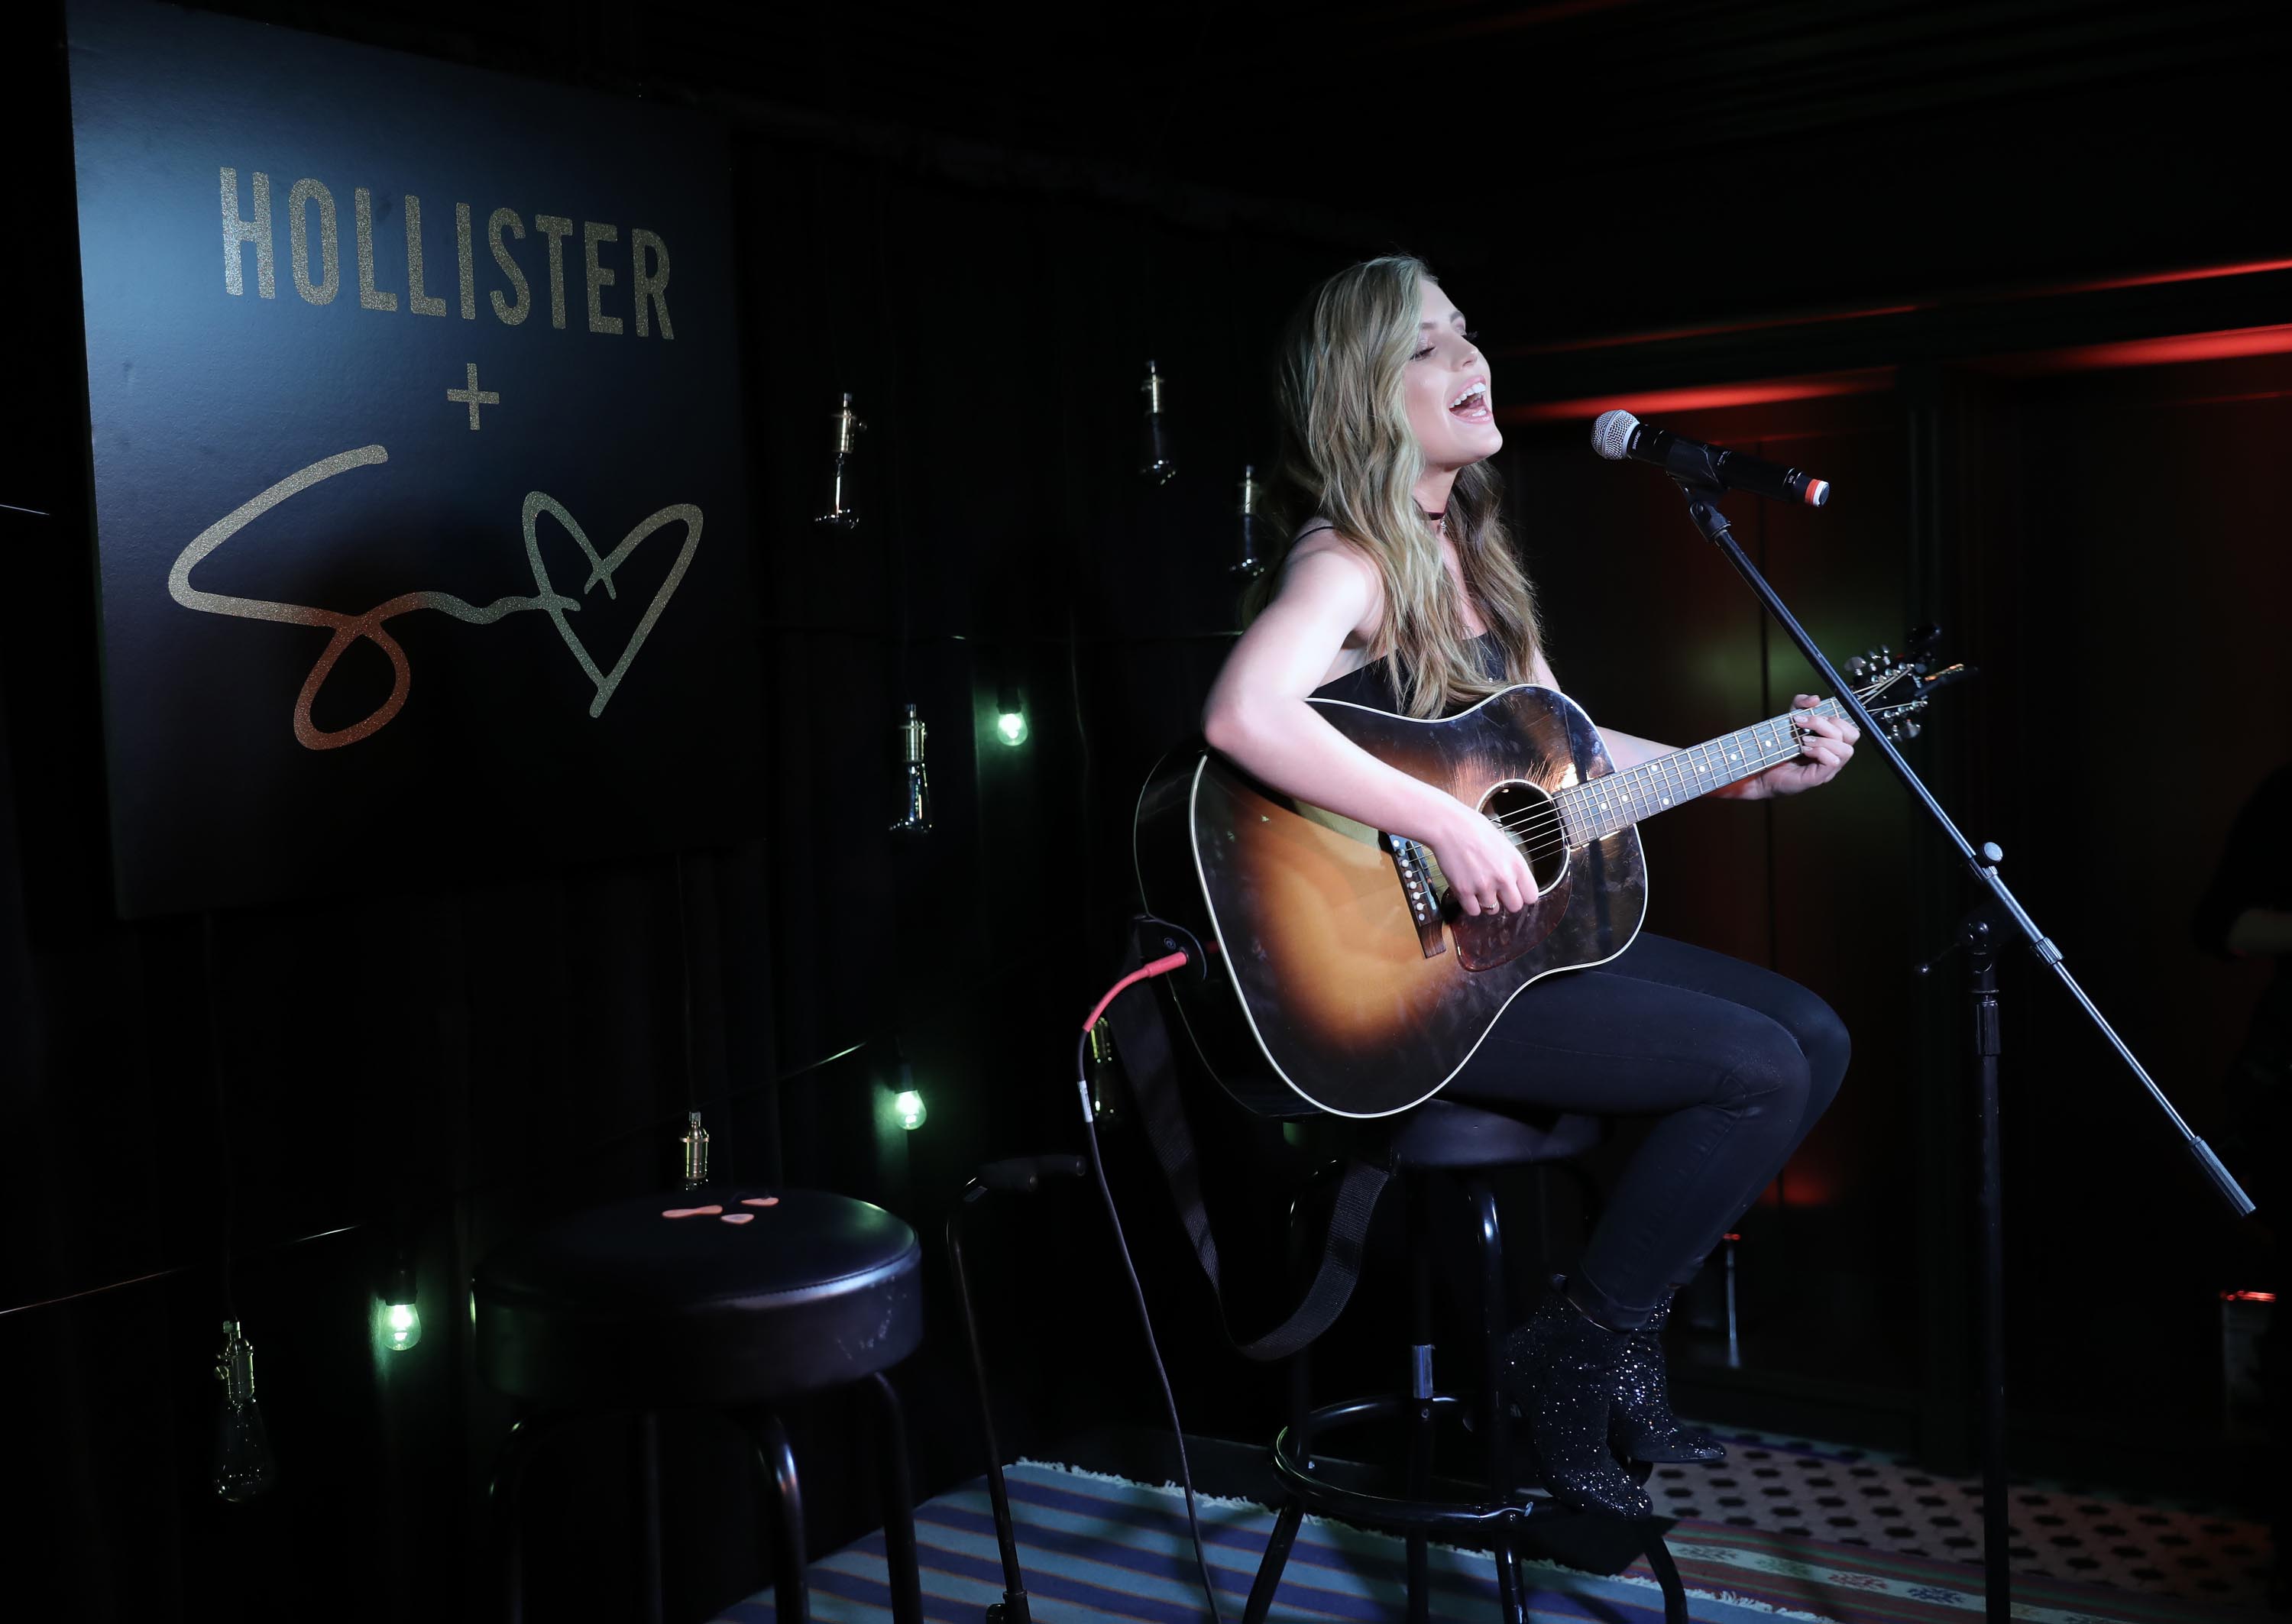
1440, 1140
732, 1298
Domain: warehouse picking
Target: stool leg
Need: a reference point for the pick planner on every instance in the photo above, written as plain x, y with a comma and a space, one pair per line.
1277, 1557
899, 1510
1495, 1415
781, 1503
1666, 1574
1301, 1402
1301, 1269
648, 1463
1420, 1388
502, 1493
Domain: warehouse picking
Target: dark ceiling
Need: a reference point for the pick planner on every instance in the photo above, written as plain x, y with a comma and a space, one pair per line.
1589, 165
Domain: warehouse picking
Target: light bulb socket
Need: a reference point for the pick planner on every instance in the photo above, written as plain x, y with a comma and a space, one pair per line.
1250, 563
914, 813
840, 515
696, 1151
235, 1366
1158, 463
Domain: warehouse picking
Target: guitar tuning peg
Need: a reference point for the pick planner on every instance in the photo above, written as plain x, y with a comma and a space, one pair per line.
1857, 666
1909, 730
1886, 655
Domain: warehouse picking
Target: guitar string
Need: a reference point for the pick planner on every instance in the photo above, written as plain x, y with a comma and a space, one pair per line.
1546, 845
1538, 824
1542, 818
1682, 781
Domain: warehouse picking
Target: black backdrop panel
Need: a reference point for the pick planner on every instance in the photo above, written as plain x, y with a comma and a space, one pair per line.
420, 504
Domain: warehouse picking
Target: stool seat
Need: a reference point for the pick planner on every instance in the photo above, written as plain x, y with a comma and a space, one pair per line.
1447, 1133
622, 1305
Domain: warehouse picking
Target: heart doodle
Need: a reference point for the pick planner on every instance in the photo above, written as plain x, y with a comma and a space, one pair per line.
600, 572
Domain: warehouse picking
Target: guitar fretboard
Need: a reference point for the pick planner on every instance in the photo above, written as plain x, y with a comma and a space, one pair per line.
1599, 807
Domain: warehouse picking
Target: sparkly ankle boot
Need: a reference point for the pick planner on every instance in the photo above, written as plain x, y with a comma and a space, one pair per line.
1641, 1424
1560, 1368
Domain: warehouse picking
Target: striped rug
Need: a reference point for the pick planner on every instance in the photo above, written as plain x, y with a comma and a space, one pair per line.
1097, 1548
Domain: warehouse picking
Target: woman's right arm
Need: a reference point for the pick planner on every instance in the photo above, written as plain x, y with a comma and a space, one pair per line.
1257, 716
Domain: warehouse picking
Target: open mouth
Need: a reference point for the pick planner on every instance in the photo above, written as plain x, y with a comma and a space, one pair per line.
1472, 404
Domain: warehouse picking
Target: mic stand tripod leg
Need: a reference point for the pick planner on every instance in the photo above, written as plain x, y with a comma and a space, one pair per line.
1997, 1531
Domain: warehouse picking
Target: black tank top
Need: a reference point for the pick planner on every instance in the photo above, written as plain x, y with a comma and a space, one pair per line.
1373, 685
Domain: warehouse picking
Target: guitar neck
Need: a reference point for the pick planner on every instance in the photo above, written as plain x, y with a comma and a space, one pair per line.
1599, 807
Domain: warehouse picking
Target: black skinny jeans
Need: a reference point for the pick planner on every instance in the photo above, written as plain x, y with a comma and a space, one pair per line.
1736, 1060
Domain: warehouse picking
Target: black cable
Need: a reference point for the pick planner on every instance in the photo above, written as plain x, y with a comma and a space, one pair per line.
212, 986
179, 1268
685, 969
1145, 1321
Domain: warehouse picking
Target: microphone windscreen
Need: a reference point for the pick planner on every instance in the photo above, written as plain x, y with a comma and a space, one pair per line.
1611, 433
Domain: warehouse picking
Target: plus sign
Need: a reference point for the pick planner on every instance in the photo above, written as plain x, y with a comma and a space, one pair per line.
473, 397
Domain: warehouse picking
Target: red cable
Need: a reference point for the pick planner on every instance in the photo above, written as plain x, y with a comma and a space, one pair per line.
1159, 967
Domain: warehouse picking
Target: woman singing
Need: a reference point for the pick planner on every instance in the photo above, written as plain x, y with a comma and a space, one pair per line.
1401, 591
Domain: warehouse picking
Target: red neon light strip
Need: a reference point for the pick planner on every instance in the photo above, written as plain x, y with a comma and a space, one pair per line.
2199, 273
1618, 340
2223, 346
1707, 397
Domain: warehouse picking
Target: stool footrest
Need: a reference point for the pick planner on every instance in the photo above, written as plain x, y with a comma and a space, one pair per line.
1292, 1448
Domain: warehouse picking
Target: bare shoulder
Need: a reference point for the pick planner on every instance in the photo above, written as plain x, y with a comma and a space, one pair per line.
1330, 563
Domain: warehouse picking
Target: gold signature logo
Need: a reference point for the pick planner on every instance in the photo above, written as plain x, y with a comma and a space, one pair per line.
348, 629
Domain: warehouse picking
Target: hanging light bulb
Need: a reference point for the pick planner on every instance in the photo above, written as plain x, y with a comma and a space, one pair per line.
1158, 464
1251, 563
696, 1153
907, 1101
1011, 715
914, 817
848, 428
401, 1314
243, 1466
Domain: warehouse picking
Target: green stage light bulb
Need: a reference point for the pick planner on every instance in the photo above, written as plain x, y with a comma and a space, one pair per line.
401, 1316
1011, 720
910, 1103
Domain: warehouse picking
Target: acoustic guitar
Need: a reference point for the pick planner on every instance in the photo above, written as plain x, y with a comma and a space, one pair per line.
1343, 977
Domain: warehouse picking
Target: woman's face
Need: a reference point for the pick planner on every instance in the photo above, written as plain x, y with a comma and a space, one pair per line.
1447, 389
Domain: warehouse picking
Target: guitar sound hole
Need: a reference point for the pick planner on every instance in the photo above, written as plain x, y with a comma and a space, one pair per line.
1529, 815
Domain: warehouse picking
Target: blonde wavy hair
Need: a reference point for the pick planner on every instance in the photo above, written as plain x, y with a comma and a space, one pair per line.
1348, 455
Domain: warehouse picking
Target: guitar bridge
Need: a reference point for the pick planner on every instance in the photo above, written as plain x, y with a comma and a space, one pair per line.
1416, 885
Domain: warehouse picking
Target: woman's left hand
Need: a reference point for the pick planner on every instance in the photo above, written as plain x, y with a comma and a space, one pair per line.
1829, 746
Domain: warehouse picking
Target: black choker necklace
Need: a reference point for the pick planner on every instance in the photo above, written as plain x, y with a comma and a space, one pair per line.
1437, 517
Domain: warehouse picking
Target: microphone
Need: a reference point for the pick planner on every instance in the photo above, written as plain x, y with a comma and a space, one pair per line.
1618, 434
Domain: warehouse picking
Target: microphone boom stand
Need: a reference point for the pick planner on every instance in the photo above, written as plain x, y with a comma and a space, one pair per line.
1977, 937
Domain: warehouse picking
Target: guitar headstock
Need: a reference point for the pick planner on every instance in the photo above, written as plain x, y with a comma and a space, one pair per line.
1894, 691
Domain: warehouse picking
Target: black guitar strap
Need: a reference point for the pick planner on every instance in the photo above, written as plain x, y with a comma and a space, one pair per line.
1141, 1039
